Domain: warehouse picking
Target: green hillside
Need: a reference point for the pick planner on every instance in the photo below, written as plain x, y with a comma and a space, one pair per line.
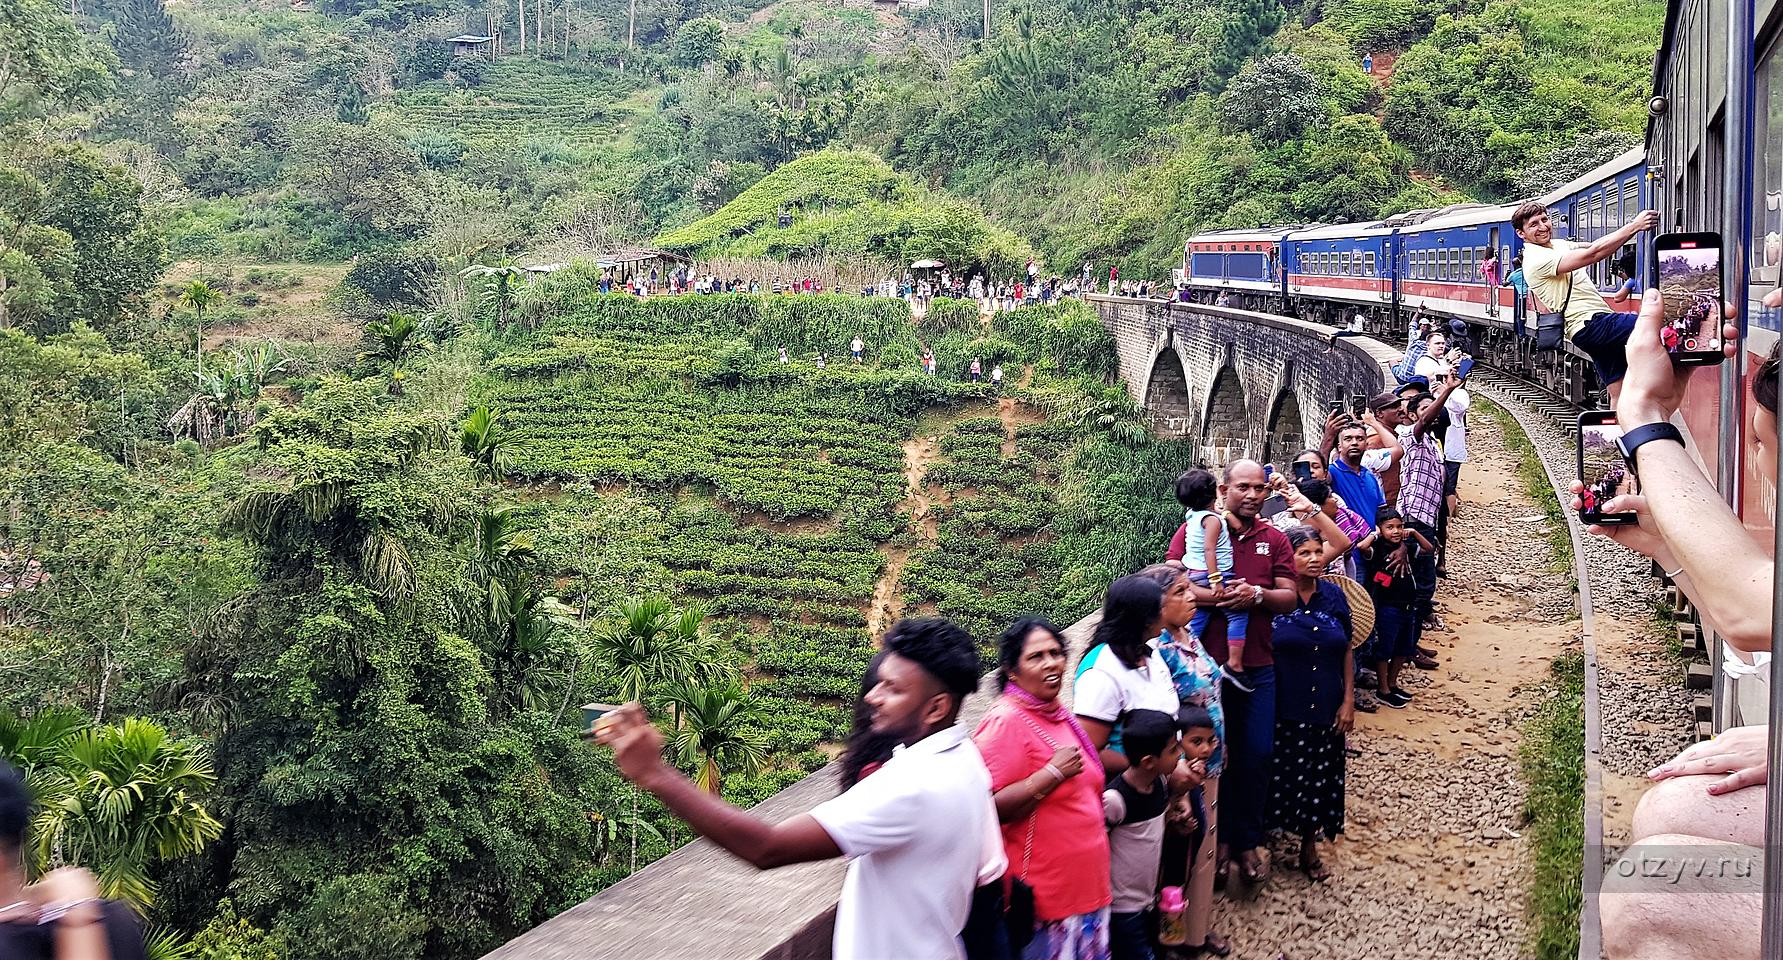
334, 486
845, 202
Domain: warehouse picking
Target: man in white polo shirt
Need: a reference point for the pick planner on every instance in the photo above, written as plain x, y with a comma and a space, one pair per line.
921, 831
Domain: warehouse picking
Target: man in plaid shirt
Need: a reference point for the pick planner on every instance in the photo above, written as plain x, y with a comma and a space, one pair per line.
1421, 486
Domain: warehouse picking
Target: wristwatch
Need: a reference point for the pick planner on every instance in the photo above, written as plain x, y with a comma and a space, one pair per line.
1633, 440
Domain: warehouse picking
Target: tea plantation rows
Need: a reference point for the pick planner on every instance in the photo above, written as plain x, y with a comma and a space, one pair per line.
661, 446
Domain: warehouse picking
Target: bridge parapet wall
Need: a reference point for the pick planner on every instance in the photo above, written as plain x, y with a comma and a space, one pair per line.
1252, 384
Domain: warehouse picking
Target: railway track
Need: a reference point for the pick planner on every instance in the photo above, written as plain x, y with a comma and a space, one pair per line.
1638, 711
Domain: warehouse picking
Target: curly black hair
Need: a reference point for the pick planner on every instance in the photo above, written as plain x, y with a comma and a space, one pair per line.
941, 648
1197, 489
1764, 382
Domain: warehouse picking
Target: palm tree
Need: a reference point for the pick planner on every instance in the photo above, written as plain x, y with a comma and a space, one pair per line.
481, 438
718, 732
527, 628
392, 335
120, 799
199, 296
498, 281
653, 648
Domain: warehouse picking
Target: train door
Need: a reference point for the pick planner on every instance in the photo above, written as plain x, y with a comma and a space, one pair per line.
1395, 246
1492, 281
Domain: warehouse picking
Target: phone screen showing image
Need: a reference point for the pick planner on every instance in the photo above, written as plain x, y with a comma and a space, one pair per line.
1689, 272
1601, 469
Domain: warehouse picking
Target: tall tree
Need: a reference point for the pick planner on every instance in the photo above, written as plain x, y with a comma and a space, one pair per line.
199, 296
46, 64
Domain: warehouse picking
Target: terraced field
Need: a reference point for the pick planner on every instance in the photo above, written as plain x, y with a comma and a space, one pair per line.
522, 100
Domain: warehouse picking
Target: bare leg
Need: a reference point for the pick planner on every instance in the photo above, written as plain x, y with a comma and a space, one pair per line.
1674, 897
1197, 917
1682, 805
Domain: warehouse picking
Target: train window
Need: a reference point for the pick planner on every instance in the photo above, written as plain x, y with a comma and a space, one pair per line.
1631, 199
1612, 201
1368, 264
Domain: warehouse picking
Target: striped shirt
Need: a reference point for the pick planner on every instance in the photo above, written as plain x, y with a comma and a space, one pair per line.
1420, 479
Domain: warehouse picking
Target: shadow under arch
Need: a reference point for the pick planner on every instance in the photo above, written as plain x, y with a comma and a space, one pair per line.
1228, 421
1286, 434
1168, 401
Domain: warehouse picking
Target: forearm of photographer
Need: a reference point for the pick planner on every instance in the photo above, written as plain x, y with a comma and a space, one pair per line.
1729, 575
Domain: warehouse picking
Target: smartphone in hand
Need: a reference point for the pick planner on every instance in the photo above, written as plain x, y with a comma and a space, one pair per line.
1464, 368
1688, 266
1602, 470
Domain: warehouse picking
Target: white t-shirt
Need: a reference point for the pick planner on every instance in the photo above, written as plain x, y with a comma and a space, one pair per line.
1107, 688
1378, 460
1431, 369
1454, 444
921, 834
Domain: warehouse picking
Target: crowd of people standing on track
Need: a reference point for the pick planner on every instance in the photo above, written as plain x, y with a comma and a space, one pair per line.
1209, 711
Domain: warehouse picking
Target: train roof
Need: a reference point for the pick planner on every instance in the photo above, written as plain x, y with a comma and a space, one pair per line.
1340, 231
1635, 157
1246, 233
1462, 215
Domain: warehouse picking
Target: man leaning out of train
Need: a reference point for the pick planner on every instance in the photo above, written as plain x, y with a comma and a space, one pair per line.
1559, 273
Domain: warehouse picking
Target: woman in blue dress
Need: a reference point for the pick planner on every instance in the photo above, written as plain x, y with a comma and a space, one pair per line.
1315, 672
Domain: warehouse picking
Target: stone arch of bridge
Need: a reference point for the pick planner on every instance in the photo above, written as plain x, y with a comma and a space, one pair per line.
1168, 399
1286, 434
1227, 420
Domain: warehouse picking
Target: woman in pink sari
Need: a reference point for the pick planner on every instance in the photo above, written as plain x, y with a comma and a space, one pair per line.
1047, 782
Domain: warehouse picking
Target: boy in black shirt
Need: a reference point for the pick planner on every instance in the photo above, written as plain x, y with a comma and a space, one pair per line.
1395, 602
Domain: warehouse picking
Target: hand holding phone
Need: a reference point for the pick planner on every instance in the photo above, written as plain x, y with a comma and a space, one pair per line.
1464, 368
1688, 266
1302, 471
1603, 475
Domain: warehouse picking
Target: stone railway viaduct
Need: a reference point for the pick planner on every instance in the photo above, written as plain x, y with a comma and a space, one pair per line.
1247, 384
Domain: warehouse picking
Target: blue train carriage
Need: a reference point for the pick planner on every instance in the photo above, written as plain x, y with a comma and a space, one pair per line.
1243, 264
1598, 203
1453, 261
1339, 272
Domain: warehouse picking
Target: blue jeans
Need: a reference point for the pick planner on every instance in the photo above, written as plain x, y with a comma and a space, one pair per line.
1250, 742
1129, 936
1237, 621
1604, 338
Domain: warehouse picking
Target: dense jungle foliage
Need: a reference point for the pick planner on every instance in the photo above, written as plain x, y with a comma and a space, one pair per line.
324, 513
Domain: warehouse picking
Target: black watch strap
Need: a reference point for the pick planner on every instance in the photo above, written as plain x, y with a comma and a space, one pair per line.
1642, 435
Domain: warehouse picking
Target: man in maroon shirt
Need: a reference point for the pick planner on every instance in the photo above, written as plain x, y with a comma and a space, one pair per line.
1263, 560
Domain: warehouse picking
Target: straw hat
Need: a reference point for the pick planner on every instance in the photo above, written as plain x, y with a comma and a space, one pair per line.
1361, 607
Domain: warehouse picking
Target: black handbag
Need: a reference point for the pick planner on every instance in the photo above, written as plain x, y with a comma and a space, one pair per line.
1550, 328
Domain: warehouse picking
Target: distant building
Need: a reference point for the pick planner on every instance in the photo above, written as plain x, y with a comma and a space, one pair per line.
471, 45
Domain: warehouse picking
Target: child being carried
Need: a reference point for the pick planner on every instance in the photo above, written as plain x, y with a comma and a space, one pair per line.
1207, 554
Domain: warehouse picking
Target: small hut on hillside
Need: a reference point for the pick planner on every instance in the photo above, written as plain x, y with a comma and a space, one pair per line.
471, 45
638, 262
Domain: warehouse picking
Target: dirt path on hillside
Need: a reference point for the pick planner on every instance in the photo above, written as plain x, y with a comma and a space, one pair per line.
920, 453
1432, 863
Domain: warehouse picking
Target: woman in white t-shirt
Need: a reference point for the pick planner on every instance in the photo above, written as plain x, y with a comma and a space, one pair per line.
1123, 670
